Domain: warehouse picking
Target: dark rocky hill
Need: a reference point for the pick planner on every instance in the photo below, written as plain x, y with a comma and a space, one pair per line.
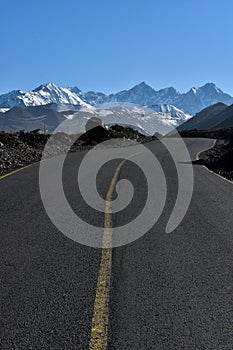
18, 150
206, 119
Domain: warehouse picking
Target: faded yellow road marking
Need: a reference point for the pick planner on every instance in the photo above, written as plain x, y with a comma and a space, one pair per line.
16, 171
99, 330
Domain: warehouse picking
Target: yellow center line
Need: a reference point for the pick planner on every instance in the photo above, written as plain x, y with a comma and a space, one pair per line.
99, 329
17, 170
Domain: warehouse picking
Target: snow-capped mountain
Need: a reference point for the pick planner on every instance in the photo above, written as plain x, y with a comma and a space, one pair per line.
42, 95
142, 94
141, 105
91, 97
197, 99
190, 102
11, 99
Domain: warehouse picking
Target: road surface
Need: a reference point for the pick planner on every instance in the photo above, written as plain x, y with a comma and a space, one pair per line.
168, 291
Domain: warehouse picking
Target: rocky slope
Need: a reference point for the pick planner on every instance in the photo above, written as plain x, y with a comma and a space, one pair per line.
217, 116
18, 150
219, 158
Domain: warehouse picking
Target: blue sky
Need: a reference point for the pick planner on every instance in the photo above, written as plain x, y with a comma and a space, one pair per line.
112, 45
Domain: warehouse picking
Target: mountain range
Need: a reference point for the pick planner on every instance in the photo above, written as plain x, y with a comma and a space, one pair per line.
142, 106
142, 94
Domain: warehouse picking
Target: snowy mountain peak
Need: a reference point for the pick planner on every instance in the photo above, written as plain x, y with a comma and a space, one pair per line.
211, 87
170, 90
142, 86
141, 94
43, 94
193, 90
51, 86
48, 86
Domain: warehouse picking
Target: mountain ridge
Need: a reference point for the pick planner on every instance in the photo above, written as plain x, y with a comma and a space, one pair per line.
216, 116
141, 106
190, 102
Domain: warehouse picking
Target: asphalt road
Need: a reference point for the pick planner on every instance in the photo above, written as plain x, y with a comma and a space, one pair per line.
168, 291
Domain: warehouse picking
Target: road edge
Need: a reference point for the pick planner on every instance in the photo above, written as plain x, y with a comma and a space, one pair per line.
211, 171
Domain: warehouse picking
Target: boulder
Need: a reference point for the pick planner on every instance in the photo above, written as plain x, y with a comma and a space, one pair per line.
96, 131
94, 122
